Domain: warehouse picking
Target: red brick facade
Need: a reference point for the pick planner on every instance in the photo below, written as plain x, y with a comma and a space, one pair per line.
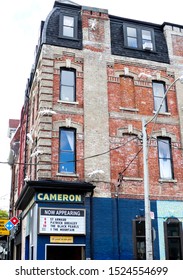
121, 89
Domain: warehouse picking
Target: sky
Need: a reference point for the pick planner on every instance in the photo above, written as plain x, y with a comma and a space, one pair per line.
19, 28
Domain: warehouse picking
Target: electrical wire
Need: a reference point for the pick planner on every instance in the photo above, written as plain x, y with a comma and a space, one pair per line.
132, 160
77, 160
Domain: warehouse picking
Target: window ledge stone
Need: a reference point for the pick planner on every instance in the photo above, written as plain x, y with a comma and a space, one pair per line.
68, 102
167, 180
67, 175
132, 179
162, 113
129, 109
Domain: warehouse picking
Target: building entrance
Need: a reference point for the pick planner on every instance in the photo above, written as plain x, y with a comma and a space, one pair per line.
65, 252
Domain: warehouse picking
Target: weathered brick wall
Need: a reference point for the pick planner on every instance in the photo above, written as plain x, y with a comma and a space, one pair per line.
130, 99
112, 98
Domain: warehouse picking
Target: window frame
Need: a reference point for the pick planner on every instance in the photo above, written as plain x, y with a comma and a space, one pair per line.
135, 236
139, 37
60, 169
75, 26
156, 96
167, 237
71, 70
170, 158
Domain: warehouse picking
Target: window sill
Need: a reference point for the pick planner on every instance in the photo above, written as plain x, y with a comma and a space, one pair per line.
162, 113
141, 49
69, 38
67, 175
128, 109
132, 179
167, 180
68, 102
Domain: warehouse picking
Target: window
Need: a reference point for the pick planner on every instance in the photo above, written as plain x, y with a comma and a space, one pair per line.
68, 26
132, 37
159, 92
165, 158
139, 37
147, 40
173, 239
67, 150
139, 239
67, 85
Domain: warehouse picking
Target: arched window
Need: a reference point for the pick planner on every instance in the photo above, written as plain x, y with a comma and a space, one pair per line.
173, 239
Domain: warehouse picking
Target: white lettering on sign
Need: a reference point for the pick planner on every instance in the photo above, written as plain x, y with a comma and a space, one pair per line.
76, 198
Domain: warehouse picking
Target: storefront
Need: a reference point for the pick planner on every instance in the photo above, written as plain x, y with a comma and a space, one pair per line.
56, 220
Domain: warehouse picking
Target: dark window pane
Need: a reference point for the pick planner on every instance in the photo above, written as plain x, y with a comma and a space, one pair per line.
173, 229
141, 249
140, 228
174, 248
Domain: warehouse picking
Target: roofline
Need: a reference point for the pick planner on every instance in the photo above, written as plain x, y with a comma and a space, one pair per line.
172, 24
135, 21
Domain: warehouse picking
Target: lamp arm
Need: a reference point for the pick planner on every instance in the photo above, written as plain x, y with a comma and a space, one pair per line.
157, 112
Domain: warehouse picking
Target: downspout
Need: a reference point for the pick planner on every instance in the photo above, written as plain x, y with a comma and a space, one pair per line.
26, 131
91, 226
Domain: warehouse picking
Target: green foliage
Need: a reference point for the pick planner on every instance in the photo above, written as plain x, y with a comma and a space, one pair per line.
3, 214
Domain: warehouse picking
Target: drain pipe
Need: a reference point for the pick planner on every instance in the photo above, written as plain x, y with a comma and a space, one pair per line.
91, 225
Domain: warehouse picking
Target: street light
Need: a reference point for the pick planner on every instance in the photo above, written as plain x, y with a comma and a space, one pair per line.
148, 228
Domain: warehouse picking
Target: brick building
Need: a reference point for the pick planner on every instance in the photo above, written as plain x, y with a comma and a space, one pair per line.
79, 189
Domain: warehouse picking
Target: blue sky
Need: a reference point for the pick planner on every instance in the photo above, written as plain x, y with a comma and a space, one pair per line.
19, 25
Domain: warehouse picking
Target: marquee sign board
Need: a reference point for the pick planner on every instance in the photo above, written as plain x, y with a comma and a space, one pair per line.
3, 229
62, 221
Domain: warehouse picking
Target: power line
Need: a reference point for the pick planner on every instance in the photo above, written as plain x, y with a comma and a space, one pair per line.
81, 159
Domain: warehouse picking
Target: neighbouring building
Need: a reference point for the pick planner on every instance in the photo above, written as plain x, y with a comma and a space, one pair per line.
77, 183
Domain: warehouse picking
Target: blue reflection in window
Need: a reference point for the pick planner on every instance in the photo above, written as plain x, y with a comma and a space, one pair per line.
67, 151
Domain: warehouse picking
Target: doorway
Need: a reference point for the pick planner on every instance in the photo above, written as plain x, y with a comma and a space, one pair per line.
65, 252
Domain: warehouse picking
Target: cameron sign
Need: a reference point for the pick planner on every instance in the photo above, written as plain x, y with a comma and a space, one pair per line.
67, 198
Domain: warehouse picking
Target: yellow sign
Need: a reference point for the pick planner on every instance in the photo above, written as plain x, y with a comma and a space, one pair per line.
61, 239
3, 230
